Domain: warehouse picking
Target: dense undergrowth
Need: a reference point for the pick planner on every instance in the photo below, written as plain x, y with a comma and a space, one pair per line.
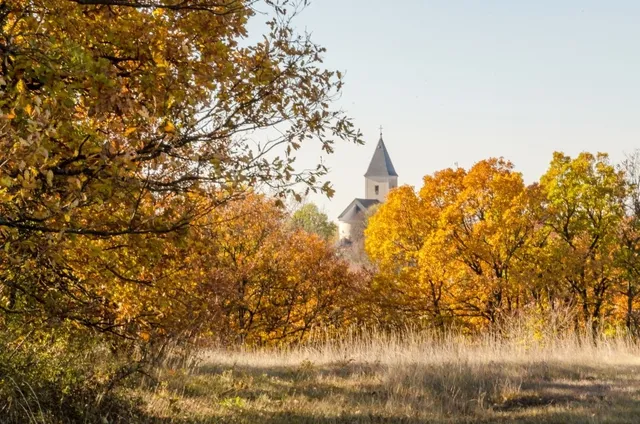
63, 376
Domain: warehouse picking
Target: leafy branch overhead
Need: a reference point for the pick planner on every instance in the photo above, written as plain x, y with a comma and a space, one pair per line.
125, 125
125, 110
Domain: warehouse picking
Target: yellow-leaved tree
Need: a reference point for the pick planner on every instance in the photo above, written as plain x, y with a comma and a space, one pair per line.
473, 247
123, 124
453, 247
585, 209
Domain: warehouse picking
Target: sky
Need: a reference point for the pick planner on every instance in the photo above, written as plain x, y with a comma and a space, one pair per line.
453, 82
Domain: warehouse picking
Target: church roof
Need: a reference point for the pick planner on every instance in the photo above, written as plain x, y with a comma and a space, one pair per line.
381, 165
356, 209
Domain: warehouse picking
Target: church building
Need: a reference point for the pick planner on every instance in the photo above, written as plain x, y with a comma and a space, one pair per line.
379, 179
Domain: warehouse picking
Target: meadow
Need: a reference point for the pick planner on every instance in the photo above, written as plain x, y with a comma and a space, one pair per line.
411, 378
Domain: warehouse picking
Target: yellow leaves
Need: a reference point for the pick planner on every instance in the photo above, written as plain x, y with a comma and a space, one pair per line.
158, 52
169, 128
170, 101
6, 181
21, 87
75, 116
396, 230
479, 243
160, 61
453, 237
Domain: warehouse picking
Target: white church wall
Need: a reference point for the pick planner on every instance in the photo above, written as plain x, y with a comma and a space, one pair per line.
344, 230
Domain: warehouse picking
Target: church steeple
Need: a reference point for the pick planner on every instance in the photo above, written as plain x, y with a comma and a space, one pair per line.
381, 165
381, 176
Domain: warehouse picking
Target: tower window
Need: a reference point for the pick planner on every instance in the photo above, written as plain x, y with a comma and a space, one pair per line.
377, 189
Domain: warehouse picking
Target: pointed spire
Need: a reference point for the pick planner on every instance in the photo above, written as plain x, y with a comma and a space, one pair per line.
381, 165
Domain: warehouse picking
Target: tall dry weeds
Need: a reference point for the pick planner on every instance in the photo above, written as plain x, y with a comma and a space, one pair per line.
522, 369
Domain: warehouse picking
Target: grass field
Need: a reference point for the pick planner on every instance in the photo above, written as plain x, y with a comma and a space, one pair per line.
410, 379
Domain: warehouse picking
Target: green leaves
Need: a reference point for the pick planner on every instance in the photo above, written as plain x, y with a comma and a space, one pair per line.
310, 219
586, 209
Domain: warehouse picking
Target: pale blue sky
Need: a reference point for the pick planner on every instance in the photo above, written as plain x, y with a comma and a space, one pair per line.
460, 81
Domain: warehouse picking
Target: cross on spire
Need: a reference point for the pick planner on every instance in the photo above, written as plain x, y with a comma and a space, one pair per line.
381, 131
381, 165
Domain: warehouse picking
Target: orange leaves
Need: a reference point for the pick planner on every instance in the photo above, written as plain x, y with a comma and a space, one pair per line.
123, 149
9, 116
111, 79
474, 245
169, 128
453, 244
273, 284
239, 271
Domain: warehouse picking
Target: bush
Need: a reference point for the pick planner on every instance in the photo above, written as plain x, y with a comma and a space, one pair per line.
61, 376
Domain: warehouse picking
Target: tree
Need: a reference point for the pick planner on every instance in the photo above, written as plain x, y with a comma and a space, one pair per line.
271, 283
395, 237
629, 253
473, 247
585, 206
309, 218
450, 250
124, 127
486, 228
123, 123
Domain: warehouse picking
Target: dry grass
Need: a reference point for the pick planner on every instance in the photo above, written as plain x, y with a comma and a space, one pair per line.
411, 379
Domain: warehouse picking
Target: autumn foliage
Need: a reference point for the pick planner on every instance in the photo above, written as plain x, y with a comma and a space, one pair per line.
473, 247
267, 282
122, 127
133, 136
146, 150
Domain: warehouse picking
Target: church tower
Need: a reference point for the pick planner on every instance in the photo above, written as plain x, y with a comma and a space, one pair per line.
379, 179
381, 176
